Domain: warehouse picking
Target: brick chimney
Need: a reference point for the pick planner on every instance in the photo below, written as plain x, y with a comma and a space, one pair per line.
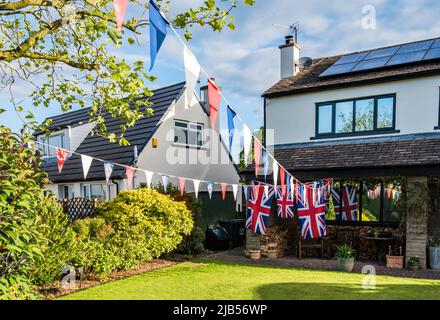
290, 54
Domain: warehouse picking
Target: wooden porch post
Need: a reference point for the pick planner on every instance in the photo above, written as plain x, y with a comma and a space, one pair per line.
417, 227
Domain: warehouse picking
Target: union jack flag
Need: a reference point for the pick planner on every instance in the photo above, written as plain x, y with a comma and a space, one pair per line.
259, 208
311, 206
285, 202
349, 203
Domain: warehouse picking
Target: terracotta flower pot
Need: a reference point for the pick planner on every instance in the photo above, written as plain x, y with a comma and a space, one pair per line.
255, 254
272, 254
395, 262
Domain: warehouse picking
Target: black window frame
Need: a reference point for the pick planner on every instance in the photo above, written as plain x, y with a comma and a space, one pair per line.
353, 132
360, 193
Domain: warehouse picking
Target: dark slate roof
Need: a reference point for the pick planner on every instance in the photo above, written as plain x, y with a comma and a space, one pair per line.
411, 150
101, 148
308, 80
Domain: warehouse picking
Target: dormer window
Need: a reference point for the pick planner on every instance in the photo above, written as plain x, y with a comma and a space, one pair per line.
361, 116
49, 145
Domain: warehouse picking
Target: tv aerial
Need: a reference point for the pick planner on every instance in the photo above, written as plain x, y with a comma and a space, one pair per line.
293, 29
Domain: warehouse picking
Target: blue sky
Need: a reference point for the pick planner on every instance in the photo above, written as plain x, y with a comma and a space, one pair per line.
245, 62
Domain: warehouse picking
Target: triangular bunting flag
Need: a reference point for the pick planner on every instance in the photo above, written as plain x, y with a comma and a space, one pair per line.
266, 190
120, 10
210, 187
214, 102
292, 186
158, 31
192, 73
61, 158
257, 155
223, 187
196, 188
231, 115
149, 178
165, 181
182, 182
275, 173
245, 191
86, 163
235, 190
129, 172
283, 181
265, 163
247, 140
108, 169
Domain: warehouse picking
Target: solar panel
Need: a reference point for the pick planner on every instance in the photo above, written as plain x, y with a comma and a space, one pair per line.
433, 54
418, 46
406, 58
351, 58
371, 64
380, 53
338, 69
391, 56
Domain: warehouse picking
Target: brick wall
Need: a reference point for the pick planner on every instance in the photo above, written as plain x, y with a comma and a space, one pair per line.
417, 230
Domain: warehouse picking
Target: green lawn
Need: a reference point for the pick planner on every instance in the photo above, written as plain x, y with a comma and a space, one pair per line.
205, 280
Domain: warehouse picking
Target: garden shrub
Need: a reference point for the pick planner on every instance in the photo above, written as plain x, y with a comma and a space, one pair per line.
95, 248
193, 243
146, 223
29, 218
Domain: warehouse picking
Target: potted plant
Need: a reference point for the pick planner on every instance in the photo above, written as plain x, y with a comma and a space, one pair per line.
345, 258
414, 263
255, 254
434, 254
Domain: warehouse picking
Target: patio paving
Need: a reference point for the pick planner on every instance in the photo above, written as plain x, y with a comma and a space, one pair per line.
236, 255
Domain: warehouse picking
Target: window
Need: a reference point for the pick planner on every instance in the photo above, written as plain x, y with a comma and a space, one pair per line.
376, 201
49, 145
67, 192
93, 191
188, 133
356, 116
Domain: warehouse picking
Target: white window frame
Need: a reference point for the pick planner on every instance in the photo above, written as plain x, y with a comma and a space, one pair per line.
46, 146
189, 129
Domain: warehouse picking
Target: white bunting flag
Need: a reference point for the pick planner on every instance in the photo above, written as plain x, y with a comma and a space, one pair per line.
235, 190
196, 188
275, 173
292, 187
266, 191
192, 73
86, 163
247, 140
210, 187
149, 177
108, 169
165, 180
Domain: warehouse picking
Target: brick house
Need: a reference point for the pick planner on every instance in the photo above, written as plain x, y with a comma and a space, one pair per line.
370, 120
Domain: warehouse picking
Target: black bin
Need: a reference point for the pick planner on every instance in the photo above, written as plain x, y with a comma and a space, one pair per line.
236, 228
217, 239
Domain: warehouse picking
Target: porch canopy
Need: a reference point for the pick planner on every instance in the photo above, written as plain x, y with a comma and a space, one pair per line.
396, 155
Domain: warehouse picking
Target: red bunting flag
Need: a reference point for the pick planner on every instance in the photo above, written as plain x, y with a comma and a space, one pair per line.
129, 172
388, 194
214, 102
61, 157
120, 9
223, 186
182, 182
283, 181
257, 155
